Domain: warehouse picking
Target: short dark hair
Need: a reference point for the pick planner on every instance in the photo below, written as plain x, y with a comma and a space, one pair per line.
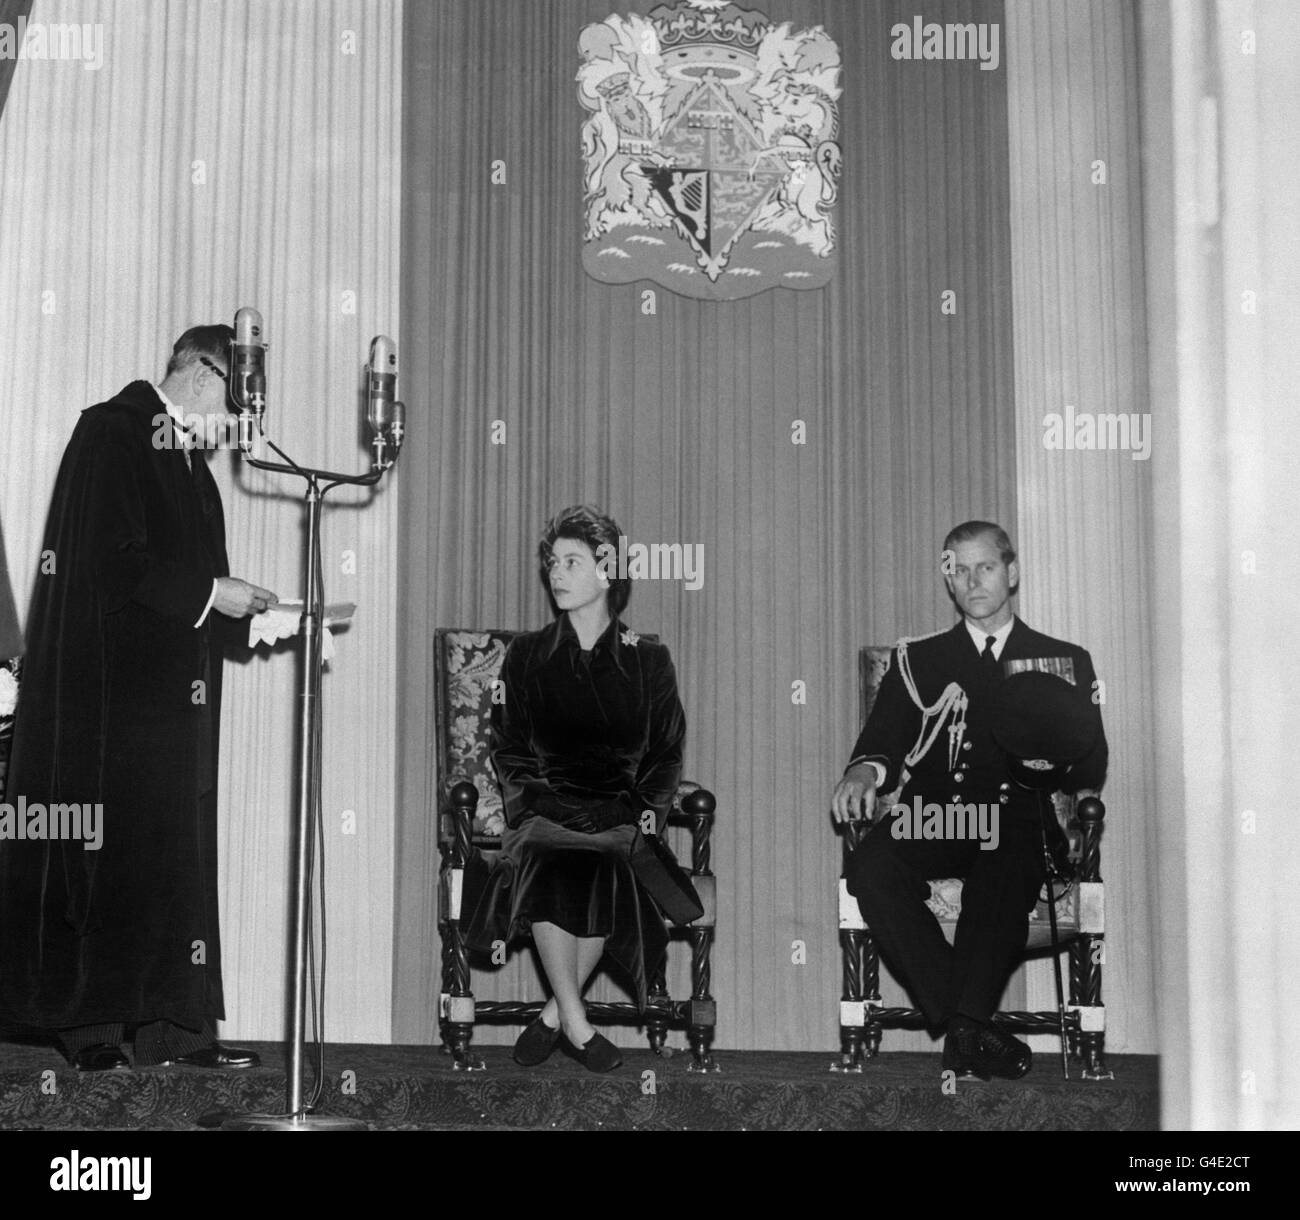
586, 524
968, 531
199, 341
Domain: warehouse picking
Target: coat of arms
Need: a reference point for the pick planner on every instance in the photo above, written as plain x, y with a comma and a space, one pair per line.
711, 150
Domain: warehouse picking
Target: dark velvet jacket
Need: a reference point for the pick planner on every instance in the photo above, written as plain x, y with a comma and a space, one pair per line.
111, 712
980, 768
584, 745
603, 732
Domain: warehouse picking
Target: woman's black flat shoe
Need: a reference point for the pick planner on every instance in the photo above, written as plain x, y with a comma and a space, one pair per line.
599, 1054
535, 1044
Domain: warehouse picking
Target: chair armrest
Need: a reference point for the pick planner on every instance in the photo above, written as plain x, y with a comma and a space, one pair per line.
1091, 813
463, 800
698, 809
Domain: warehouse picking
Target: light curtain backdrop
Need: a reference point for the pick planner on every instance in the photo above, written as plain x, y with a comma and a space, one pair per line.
1085, 517
679, 424
1220, 99
11, 640
229, 154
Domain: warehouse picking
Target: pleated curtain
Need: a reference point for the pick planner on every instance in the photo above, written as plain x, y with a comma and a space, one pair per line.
1220, 98
1085, 515
680, 422
11, 639
241, 153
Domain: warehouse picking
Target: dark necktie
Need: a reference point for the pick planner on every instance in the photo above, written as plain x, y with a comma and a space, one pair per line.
988, 662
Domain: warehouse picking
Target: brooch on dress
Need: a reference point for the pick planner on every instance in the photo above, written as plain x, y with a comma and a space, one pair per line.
629, 638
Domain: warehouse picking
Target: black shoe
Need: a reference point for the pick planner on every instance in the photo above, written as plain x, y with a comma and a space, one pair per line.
217, 1058
535, 1044
598, 1054
961, 1049
977, 1051
1002, 1055
101, 1057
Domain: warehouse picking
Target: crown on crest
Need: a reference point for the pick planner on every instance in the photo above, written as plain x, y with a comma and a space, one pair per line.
692, 23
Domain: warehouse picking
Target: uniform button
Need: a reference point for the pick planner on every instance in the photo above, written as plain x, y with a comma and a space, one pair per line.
1005, 799
965, 745
958, 776
1005, 787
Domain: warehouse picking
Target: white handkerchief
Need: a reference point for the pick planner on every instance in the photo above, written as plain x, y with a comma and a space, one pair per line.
280, 621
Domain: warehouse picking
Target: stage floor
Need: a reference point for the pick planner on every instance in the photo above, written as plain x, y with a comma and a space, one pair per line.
412, 1088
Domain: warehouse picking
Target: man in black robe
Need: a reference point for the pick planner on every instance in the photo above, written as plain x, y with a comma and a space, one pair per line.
119, 716
939, 715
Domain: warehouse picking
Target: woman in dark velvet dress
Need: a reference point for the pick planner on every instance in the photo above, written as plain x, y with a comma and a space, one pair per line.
587, 745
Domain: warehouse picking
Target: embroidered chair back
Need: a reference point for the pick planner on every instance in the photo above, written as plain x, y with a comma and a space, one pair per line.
467, 665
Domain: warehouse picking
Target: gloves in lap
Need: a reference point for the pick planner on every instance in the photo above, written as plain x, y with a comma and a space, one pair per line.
585, 817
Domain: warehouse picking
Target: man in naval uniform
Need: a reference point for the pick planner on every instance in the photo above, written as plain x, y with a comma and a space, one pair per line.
934, 719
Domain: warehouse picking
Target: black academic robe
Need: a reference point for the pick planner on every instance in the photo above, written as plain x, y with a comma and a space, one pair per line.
120, 706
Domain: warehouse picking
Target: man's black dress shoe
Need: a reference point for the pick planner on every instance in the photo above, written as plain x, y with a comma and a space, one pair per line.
217, 1057
535, 1044
1002, 1055
102, 1057
598, 1054
961, 1049
975, 1051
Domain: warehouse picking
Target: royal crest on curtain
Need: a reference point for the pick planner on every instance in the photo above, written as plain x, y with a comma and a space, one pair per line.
711, 154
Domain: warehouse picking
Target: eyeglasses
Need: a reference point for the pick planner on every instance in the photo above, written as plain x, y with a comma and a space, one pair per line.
208, 363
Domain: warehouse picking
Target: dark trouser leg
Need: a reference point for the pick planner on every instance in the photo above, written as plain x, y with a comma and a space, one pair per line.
81, 1036
890, 879
159, 1041
999, 891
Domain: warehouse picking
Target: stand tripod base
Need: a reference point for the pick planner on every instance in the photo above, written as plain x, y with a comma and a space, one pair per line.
291, 1122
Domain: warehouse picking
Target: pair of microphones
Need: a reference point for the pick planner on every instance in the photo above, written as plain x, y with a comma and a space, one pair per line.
386, 415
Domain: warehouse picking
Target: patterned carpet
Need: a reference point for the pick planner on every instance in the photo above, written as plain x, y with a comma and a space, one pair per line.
412, 1088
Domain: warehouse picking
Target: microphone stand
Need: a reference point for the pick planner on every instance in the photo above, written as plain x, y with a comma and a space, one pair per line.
296, 1117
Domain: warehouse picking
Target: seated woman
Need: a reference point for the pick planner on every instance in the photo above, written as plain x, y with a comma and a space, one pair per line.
587, 745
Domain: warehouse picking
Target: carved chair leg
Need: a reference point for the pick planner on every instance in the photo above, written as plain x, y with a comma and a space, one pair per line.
656, 1024
852, 1009
871, 992
459, 1014
444, 1033
702, 1011
1092, 1041
1078, 954
701, 1040
1093, 1052
463, 1058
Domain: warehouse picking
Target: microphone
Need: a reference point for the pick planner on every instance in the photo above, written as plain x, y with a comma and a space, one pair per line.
387, 416
248, 364
381, 383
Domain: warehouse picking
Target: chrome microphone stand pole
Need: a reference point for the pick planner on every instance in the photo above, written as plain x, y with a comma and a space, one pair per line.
387, 444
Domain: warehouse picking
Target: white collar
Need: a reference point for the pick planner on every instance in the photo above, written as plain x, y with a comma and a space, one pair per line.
172, 409
999, 636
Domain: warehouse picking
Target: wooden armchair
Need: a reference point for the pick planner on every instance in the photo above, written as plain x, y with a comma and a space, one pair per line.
1080, 919
470, 820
